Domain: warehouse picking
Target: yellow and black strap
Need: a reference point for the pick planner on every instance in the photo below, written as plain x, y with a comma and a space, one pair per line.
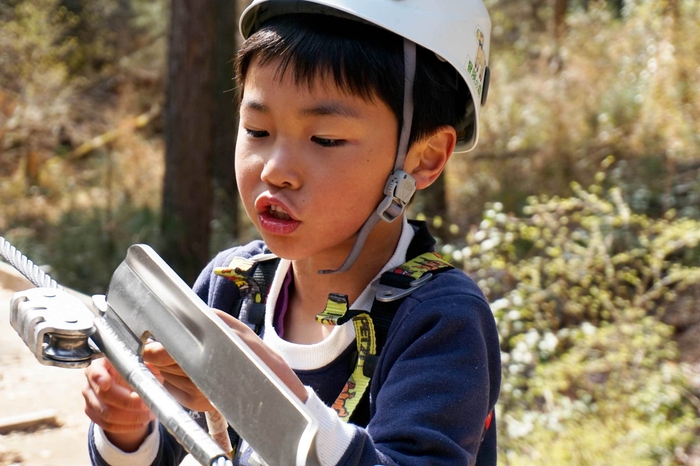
405, 274
337, 313
371, 328
240, 271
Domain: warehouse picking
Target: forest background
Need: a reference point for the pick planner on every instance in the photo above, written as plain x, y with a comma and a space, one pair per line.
578, 214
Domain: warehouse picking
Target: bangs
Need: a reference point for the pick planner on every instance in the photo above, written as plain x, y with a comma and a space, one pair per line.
358, 59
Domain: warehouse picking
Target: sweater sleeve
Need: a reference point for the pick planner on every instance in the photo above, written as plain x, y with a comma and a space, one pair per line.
436, 382
159, 448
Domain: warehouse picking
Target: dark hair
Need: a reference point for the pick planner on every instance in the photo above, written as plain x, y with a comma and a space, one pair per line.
363, 60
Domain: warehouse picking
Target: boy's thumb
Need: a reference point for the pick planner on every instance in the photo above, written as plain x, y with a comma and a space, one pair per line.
103, 381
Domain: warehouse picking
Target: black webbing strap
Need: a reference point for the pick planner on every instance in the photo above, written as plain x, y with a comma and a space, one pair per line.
383, 315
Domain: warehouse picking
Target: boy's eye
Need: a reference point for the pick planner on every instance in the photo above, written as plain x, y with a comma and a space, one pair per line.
323, 142
256, 134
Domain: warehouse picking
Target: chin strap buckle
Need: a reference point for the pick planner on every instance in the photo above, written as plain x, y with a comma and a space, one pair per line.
399, 190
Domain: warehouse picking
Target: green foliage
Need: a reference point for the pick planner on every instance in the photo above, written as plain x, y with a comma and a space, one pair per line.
34, 79
33, 48
590, 373
79, 218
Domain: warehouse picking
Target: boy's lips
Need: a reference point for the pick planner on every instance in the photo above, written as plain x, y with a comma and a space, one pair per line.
274, 217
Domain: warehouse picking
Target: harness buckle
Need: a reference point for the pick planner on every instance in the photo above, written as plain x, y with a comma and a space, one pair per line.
399, 190
387, 294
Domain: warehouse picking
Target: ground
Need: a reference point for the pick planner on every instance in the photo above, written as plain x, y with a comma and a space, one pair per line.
27, 387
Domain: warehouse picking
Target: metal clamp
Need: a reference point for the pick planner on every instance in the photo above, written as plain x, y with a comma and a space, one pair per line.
387, 294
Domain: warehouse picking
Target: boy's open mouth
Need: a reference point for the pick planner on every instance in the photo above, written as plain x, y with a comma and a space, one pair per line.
278, 213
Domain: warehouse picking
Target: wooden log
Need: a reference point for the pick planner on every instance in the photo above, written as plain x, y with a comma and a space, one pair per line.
29, 421
111, 135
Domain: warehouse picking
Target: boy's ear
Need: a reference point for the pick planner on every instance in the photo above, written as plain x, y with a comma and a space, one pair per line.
427, 158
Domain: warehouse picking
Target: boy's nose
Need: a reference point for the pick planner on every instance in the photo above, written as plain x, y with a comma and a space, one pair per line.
282, 169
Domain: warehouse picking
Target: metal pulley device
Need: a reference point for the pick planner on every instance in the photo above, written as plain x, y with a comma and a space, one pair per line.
146, 299
55, 326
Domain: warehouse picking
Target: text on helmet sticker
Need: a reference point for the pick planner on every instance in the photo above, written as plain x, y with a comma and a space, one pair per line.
477, 68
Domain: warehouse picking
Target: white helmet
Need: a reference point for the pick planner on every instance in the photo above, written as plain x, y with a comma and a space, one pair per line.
458, 31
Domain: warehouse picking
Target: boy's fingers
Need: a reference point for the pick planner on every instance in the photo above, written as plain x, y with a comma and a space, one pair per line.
118, 396
241, 329
155, 371
113, 427
98, 373
116, 376
183, 383
158, 360
196, 402
154, 353
227, 318
111, 418
171, 369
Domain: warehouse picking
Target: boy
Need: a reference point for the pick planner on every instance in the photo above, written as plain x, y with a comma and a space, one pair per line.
327, 96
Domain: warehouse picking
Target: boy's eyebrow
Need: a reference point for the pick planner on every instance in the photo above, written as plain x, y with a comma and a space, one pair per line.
323, 109
331, 109
254, 104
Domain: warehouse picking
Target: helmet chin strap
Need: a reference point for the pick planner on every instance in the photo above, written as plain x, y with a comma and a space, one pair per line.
400, 186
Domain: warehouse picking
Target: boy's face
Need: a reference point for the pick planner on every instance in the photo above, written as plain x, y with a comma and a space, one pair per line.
311, 163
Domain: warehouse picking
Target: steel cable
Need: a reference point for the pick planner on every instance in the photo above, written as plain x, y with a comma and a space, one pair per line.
26, 267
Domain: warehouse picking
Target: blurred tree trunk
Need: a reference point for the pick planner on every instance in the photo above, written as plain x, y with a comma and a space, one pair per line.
228, 40
564, 161
616, 6
559, 18
189, 131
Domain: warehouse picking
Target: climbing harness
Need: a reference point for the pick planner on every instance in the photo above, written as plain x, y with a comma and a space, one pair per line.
254, 277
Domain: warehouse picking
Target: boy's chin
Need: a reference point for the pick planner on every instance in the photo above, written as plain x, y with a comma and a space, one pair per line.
282, 247
329, 258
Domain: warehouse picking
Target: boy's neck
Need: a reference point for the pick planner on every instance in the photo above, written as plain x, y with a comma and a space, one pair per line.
311, 289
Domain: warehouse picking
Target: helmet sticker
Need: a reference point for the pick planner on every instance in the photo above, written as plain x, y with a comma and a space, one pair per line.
477, 70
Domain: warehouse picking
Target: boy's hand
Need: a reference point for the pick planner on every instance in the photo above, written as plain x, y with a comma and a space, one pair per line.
183, 389
174, 378
113, 405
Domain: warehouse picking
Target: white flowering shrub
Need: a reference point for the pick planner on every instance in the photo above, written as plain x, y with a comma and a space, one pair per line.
590, 373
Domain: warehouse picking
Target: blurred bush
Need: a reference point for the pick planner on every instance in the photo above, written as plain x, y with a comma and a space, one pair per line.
579, 288
627, 85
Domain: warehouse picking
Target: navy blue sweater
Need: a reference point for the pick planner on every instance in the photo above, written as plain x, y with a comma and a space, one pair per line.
437, 378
